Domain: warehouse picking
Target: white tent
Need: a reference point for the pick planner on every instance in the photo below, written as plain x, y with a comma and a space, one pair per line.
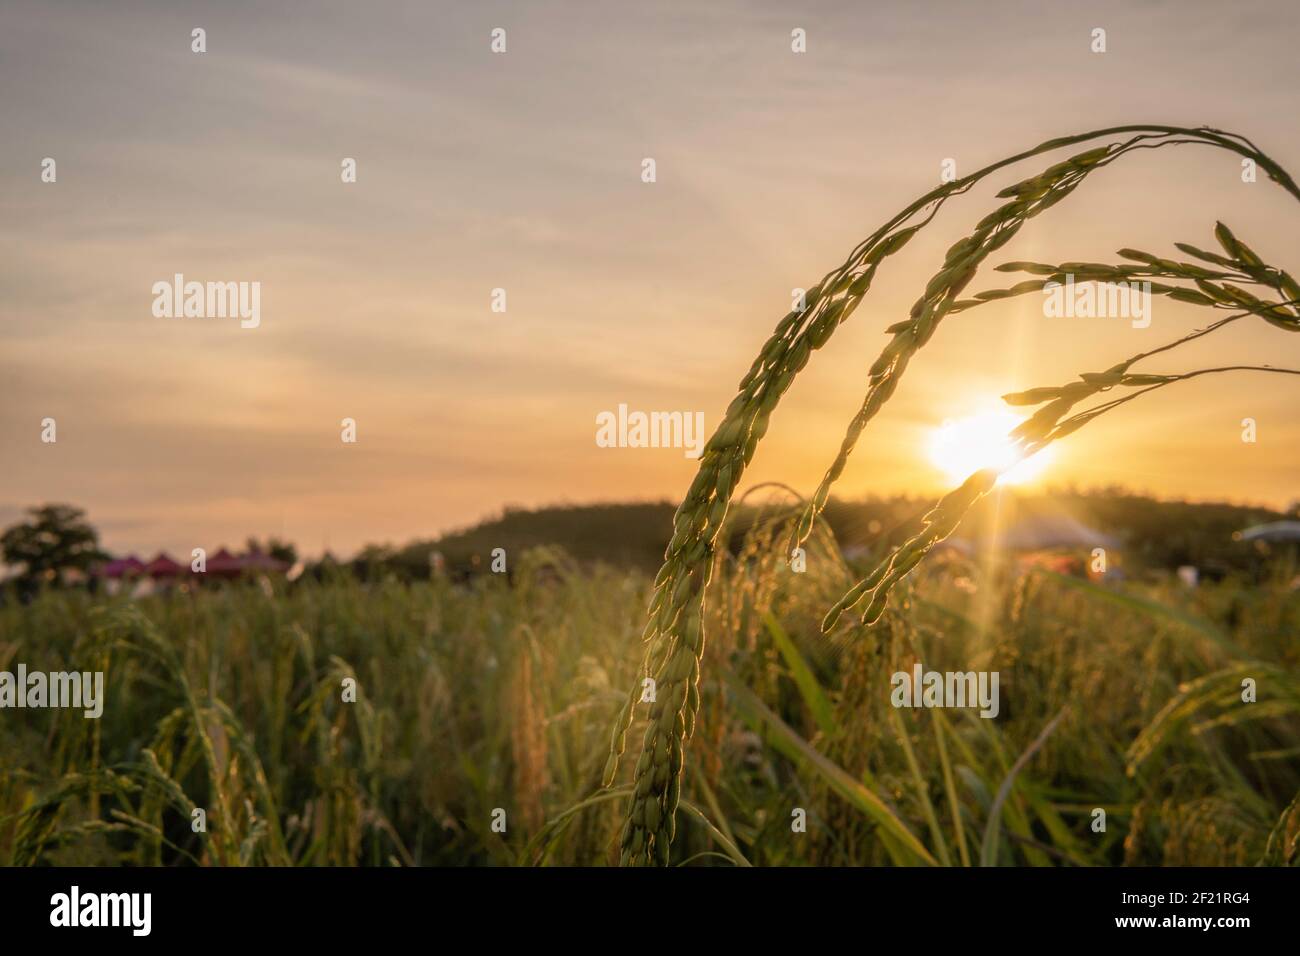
1272, 531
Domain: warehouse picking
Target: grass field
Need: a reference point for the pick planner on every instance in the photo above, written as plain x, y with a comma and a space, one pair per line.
500, 696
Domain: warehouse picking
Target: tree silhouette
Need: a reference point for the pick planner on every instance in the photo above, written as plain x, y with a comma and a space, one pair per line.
54, 539
276, 548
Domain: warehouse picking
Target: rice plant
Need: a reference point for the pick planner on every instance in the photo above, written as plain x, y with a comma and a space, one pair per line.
675, 633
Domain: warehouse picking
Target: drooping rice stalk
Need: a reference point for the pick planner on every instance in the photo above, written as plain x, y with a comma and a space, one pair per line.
674, 633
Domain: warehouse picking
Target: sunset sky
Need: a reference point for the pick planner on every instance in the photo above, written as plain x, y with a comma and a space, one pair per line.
523, 171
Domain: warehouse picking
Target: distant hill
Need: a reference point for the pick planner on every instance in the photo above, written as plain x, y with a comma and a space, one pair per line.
1154, 532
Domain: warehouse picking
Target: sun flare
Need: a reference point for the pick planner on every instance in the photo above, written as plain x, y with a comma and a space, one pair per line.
962, 446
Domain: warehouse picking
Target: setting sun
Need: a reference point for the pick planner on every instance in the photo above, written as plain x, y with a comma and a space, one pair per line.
965, 445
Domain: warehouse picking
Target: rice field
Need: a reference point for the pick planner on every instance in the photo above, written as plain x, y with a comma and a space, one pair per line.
479, 727
484, 721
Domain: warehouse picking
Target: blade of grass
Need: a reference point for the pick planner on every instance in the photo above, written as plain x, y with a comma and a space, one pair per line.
802, 675
712, 799
718, 836
989, 849
922, 787
799, 750
954, 803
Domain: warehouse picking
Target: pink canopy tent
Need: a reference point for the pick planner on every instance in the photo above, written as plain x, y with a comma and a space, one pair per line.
163, 567
223, 564
127, 567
